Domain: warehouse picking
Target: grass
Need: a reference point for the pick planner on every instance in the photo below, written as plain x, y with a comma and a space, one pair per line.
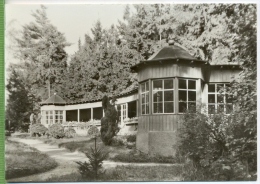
130, 173
118, 152
22, 160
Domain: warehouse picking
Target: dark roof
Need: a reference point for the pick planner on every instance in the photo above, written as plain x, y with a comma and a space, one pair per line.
54, 100
51, 101
171, 52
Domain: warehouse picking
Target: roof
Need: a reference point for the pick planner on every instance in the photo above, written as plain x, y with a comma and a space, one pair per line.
54, 100
57, 100
170, 53
125, 93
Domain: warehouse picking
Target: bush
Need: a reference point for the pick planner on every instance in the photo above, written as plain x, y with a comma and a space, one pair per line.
38, 129
93, 169
214, 145
109, 123
93, 131
70, 132
131, 138
7, 133
140, 157
56, 131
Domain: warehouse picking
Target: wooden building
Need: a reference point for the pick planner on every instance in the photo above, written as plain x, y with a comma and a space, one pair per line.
56, 110
170, 82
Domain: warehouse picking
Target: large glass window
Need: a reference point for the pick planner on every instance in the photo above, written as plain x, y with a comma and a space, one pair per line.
163, 96
187, 95
58, 116
49, 117
145, 98
218, 102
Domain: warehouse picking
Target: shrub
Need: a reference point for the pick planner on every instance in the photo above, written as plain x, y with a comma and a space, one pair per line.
7, 133
109, 123
38, 129
93, 131
56, 131
117, 141
131, 138
70, 132
92, 169
215, 144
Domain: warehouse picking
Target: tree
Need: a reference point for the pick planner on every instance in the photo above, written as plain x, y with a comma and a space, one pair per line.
40, 48
109, 123
18, 107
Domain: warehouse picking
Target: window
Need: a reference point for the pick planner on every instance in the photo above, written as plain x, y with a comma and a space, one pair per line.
187, 94
163, 96
49, 117
218, 102
124, 111
58, 116
145, 98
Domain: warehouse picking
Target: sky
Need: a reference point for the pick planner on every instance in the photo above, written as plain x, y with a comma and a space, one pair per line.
73, 20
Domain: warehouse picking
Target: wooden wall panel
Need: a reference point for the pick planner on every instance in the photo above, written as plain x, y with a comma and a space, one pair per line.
168, 70
158, 122
218, 75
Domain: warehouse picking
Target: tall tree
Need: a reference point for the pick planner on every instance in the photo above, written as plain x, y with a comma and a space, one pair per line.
40, 49
19, 106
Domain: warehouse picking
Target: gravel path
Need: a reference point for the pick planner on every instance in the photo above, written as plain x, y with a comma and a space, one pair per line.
65, 159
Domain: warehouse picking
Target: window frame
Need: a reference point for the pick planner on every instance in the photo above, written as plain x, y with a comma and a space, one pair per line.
146, 94
163, 90
187, 93
216, 94
58, 113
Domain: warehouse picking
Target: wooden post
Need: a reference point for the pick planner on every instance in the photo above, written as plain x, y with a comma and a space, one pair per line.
92, 113
78, 115
176, 96
64, 115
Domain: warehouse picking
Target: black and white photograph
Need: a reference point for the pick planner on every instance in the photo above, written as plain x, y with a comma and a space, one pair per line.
131, 92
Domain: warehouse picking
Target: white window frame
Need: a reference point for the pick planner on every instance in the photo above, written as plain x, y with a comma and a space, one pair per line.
216, 93
59, 114
187, 93
146, 96
163, 89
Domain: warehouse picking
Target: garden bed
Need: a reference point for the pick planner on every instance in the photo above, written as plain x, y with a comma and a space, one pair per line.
22, 160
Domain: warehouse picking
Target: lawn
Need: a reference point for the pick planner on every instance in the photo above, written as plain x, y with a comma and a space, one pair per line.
130, 173
22, 160
118, 151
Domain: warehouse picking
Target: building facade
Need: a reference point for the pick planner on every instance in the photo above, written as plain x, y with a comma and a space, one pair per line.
170, 82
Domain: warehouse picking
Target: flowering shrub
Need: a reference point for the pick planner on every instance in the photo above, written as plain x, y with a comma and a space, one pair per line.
93, 131
131, 120
56, 131
70, 132
38, 129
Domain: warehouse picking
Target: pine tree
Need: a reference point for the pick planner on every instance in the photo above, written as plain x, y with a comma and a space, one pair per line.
40, 48
19, 107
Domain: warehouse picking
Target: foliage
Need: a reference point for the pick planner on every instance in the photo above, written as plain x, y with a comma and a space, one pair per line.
22, 160
209, 141
57, 131
40, 48
140, 157
37, 129
19, 106
93, 131
70, 132
131, 138
129, 173
109, 123
92, 169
